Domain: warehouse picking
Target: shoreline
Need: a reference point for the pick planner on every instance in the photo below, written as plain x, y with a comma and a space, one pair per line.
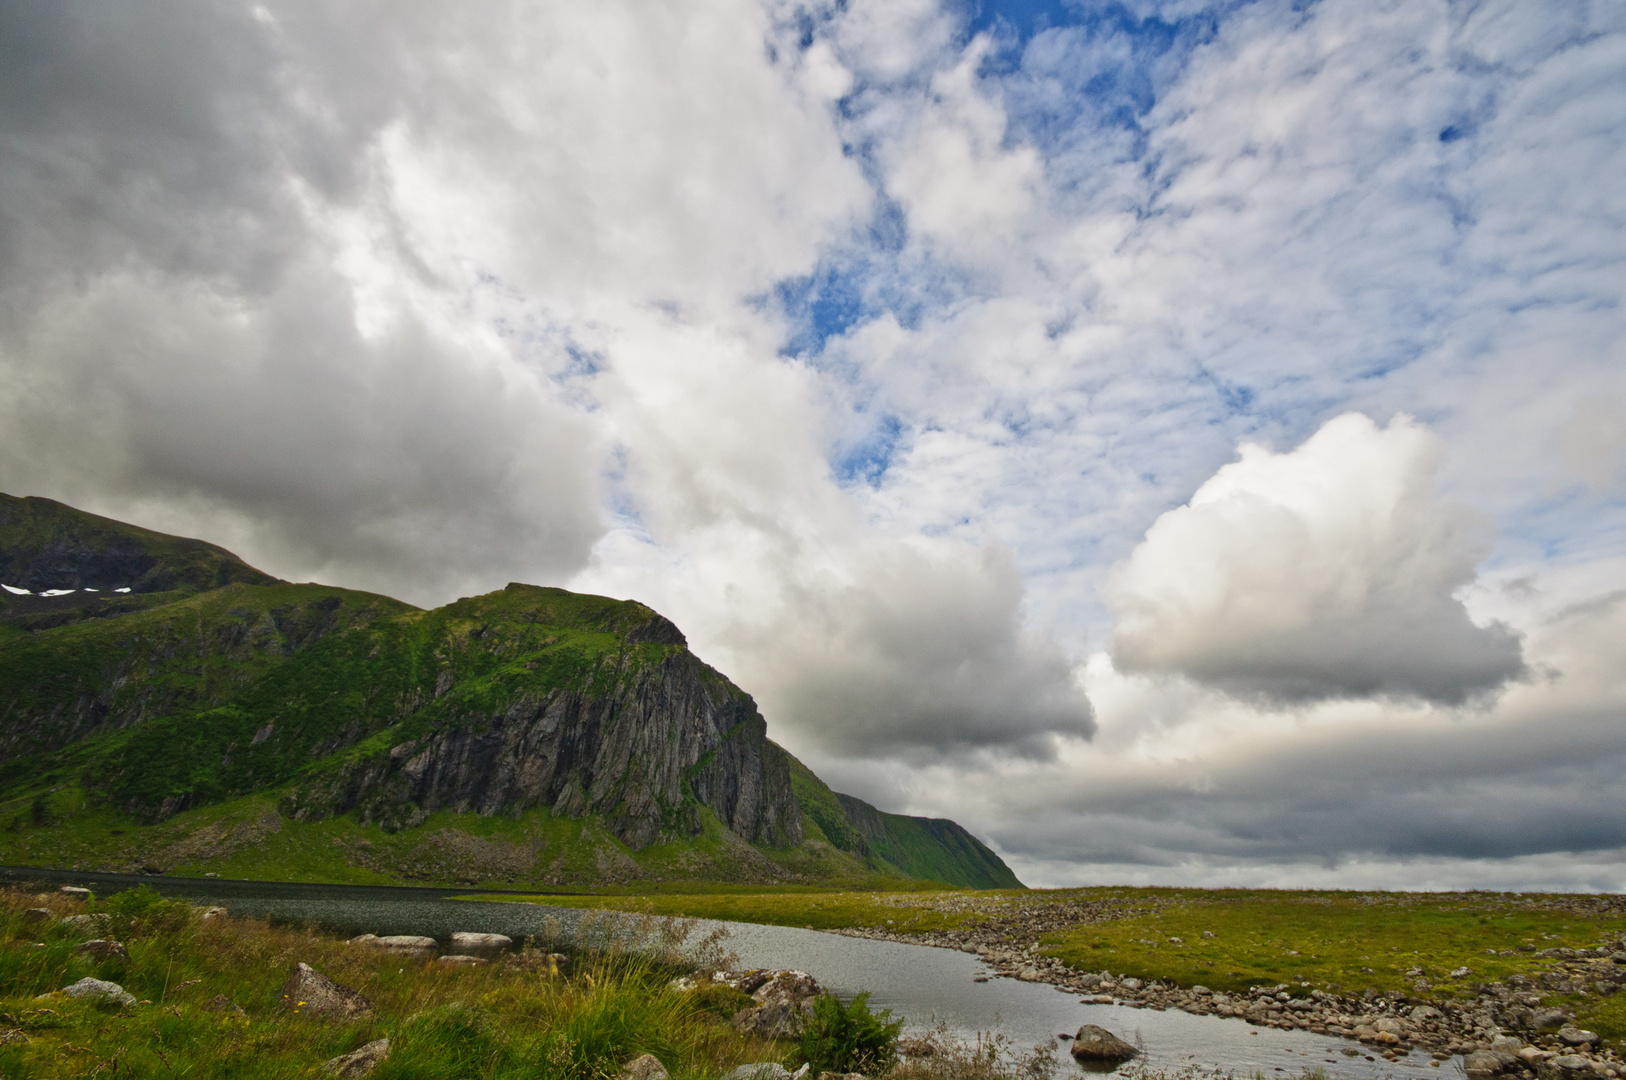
1388, 1024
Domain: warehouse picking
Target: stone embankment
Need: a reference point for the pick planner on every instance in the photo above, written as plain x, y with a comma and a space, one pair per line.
1505, 1029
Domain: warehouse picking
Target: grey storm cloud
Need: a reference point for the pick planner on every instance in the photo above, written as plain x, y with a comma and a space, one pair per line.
174, 332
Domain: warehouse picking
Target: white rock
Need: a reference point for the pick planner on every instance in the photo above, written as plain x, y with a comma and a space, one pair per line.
761, 1070
107, 993
466, 940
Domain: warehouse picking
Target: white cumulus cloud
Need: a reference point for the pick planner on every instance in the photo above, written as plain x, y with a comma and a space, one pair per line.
1329, 571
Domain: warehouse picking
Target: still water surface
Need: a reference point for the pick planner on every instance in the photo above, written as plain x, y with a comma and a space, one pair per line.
923, 985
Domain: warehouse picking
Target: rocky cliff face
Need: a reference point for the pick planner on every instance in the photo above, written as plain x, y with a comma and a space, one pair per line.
655, 741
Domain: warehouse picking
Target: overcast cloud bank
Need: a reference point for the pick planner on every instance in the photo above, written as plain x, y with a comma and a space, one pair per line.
902, 355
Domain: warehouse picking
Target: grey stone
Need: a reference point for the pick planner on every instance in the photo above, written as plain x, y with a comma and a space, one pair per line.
102, 949
74, 892
761, 1070
87, 924
1564, 1067
1094, 1043
359, 1062
1482, 1063
310, 993
38, 915
644, 1067
459, 960
1574, 1036
405, 941
471, 942
103, 993
1549, 1019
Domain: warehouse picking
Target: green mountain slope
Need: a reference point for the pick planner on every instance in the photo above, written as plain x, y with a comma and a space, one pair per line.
223, 721
932, 849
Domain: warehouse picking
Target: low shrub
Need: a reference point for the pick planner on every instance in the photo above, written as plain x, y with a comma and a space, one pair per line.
848, 1038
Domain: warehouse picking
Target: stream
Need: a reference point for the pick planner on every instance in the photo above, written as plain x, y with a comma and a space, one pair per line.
925, 986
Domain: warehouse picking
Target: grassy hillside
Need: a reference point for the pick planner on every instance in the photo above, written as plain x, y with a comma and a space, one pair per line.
46, 545
928, 849
215, 719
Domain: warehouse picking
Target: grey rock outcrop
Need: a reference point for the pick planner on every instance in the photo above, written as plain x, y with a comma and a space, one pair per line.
650, 742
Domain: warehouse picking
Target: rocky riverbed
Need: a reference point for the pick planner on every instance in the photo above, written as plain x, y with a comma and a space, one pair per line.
1507, 1028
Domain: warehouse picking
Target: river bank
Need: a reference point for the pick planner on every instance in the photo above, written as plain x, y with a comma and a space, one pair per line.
1523, 1022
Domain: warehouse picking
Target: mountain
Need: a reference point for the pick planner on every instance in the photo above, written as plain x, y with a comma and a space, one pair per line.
930, 849
213, 718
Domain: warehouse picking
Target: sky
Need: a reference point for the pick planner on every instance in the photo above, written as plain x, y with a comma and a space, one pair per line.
1184, 442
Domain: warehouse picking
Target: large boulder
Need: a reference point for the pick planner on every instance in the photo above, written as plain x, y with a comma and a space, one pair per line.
1094, 1043
310, 993
784, 999
359, 1062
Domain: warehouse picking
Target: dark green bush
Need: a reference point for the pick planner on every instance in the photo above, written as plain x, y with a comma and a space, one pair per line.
849, 1038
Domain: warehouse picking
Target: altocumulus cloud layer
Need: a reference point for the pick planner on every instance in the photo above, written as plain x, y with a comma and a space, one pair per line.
1181, 441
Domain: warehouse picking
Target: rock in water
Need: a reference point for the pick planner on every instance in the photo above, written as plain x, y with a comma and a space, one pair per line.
102, 949
359, 1062
103, 993
1094, 1043
310, 992
646, 1067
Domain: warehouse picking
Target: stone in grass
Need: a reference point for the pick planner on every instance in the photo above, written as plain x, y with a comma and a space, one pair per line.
222, 1003
103, 949
37, 914
311, 993
87, 924
359, 1062
766, 1070
644, 1067
95, 990
74, 892
458, 960
1094, 1043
